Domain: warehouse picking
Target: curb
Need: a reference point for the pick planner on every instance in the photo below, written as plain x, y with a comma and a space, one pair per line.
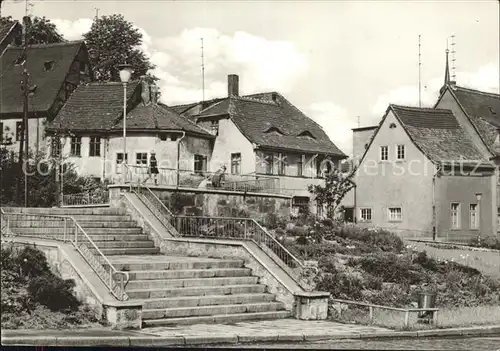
179, 340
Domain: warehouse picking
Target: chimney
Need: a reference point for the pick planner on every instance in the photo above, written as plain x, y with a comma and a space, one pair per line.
232, 85
145, 93
453, 84
274, 97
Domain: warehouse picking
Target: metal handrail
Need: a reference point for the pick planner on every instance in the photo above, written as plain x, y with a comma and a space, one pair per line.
87, 198
106, 277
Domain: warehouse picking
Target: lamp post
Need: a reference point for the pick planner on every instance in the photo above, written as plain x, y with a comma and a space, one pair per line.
478, 216
125, 74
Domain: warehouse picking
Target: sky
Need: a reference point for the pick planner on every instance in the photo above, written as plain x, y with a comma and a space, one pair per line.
340, 62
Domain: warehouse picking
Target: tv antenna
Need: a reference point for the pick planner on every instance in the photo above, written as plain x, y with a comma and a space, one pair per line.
202, 70
453, 65
419, 72
359, 122
96, 12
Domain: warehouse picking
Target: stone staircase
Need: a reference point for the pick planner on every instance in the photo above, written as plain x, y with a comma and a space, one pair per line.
174, 290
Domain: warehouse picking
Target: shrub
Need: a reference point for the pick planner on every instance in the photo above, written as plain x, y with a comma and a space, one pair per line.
340, 285
54, 292
489, 242
32, 262
426, 262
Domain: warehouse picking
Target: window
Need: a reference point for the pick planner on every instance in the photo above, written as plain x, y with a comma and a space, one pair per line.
319, 209
400, 152
473, 213
173, 137
119, 161
236, 163
76, 146
215, 126
1, 132
300, 166
300, 204
19, 126
141, 158
366, 214
384, 153
395, 214
281, 164
200, 163
95, 146
269, 162
455, 215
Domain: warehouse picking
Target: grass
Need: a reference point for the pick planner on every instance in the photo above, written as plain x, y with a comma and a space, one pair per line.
487, 262
447, 318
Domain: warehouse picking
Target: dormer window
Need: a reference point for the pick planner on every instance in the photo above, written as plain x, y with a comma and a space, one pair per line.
20, 60
48, 65
307, 134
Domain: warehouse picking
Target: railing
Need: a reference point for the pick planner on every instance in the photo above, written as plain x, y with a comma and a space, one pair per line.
161, 212
407, 311
238, 228
139, 174
100, 197
50, 228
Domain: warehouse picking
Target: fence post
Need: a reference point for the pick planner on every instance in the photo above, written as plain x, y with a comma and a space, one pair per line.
122, 286
110, 278
407, 319
371, 313
245, 235
76, 234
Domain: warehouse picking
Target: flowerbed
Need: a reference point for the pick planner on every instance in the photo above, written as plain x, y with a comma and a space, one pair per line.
32, 297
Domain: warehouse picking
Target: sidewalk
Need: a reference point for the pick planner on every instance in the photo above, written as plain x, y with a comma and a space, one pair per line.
284, 330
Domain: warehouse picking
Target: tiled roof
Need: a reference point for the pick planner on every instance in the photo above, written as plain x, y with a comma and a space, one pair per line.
484, 111
436, 133
48, 82
255, 115
99, 107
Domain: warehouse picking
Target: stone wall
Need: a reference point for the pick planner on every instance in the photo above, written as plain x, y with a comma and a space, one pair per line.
224, 204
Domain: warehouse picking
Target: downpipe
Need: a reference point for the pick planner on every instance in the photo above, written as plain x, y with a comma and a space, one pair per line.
179, 156
434, 215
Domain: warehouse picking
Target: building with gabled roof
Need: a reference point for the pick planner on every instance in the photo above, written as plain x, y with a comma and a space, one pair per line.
423, 176
8, 33
264, 135
55, 71
90, 129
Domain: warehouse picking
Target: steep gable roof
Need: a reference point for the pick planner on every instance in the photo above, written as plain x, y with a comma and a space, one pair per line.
483, 110
437, 133
256, 114
99, 107
48, 82
6, 30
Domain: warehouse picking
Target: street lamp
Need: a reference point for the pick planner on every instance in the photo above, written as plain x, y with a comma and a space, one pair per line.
125, 74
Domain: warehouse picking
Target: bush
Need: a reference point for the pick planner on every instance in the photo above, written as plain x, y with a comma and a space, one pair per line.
426, 262
32, 262
489, 242
340, 285
54, 292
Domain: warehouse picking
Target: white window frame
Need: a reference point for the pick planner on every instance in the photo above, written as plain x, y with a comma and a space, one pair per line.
397, 152
76, 146
386, 148
393, 215
367, 213
119, 162
455, 215
474, 224
236, 163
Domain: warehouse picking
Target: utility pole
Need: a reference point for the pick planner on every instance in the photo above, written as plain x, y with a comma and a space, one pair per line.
202, 70
419, 74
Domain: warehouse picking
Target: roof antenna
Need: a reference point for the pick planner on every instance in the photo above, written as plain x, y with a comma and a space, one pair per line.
453, 66
359, 123
202, 70
96, 13
419, 74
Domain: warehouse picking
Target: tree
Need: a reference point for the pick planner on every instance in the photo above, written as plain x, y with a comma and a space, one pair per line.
112, 41
39, 31
336, 187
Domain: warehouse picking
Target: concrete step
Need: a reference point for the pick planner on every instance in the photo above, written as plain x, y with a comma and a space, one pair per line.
78, 217
103, 231
67, 211
222, 318
186, 283
190, 273
196, 291
128, 251
124, 244
211, 310
195, 301
58, 224
178, 265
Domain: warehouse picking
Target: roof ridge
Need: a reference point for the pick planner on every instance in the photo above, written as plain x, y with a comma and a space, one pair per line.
45, 46
477, 91
427, 109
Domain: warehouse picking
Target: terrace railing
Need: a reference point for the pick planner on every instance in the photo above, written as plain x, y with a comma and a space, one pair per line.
139, 174
100, 197
112, 278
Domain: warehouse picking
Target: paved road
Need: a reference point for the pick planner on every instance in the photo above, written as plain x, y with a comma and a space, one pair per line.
476, 344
